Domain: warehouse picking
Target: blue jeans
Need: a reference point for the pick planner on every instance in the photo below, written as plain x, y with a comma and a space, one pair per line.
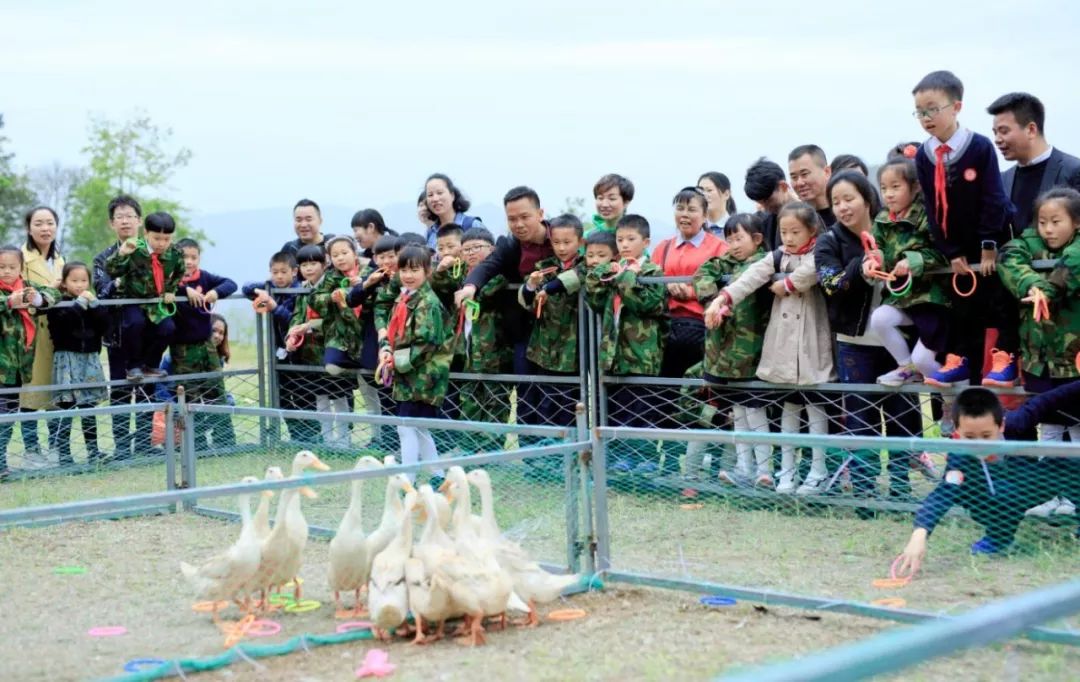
864, 412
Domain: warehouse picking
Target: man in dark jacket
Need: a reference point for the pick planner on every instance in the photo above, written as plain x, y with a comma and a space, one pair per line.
1019, 136
125, 218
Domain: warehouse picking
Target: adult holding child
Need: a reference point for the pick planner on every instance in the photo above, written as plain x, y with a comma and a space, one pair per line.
42, 266
447, 205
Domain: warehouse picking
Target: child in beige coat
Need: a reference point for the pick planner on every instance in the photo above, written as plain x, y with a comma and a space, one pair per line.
797, 348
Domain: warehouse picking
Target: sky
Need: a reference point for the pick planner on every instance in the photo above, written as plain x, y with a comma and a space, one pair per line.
355, 103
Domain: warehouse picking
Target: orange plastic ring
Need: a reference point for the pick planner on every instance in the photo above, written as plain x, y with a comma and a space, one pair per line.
890, 602
566, 614
209, 606
692, 506
974, 285
1078, 362
890, 583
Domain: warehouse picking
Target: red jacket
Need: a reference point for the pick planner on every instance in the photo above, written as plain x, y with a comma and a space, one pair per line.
684, 260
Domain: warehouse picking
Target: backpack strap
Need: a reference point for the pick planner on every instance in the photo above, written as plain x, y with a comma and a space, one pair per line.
467, 222
777, 258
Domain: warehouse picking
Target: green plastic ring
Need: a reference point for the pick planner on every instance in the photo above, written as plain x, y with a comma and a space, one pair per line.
303, 606
902, 291
69, 570
472, 310
165, 310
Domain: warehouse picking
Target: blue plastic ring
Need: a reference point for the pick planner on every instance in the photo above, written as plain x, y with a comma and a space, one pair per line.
137, 664
713, 600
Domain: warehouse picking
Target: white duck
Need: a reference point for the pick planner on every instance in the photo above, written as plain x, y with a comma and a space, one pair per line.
429, 594
222, 577
350, 562
262, 513
531, 582
388, 599
283, 549
478, 586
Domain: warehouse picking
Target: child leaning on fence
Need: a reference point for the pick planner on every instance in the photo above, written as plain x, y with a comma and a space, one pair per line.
797, 348
632, 325
733, 348
417, 351
18, 306
76, 333
147, 269
551, 293
200, 358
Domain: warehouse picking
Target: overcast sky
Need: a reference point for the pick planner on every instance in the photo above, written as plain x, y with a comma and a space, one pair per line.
355, 103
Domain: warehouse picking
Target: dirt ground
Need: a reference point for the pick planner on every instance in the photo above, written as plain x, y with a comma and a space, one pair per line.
132, 580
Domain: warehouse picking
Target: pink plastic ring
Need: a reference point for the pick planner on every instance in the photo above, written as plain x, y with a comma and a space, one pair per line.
353, 625
262, 628
107, 631
893, 567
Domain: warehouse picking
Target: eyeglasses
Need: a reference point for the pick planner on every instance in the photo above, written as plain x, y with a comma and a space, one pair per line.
473, 249
929, 112
125, 216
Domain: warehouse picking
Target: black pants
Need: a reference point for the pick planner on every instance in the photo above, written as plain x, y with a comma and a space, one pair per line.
990, 307
123, 436
8, 403
63, 436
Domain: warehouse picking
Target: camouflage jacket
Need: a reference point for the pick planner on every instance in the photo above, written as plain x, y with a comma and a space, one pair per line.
1048, 347
447, 281
16, 360
423, 352
341, 326
733, 349
554, 341
482, 341
137, 278
311, 351
197, 358
384, 301
631, 339
909, 237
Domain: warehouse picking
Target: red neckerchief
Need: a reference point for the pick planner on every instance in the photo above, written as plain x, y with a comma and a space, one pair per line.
804, 249
193, 277
941, 197
158, 271
396, 328
27, 321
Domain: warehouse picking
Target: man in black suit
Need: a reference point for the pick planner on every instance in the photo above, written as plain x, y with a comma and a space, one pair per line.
1019, 135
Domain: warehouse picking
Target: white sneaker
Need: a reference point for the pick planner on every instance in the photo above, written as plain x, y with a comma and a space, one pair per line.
1045, 509
813, 485
34, 460
900, 376
786, 486
1066, 508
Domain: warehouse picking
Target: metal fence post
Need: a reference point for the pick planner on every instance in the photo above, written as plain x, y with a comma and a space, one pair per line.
170, 450
273, 396
601, 560
187, 445
572, 464
260, 360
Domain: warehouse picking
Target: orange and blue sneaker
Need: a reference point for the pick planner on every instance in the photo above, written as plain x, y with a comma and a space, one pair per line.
1003, 370
986, 545
953, 372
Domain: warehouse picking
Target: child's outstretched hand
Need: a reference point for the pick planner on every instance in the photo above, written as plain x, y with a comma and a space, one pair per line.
960, 266
194, 297
911, 559
778, 288
338, 296
902, 268
535, 280
715, 314
128, 247
168, 298
209, 299
374, 278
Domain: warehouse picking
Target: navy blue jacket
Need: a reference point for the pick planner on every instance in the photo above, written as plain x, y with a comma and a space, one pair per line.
359, 296
283, 313
193, 324
105, 287
1007, 473
978, 207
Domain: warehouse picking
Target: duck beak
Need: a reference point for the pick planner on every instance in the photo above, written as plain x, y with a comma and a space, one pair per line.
444, 488
268, 493
409, 487
320, 465
309, 493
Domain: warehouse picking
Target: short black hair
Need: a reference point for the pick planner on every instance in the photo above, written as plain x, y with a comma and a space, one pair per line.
567, 221
369, 216
414, 255
816, 153
805, 214
188, 243
73, 265
478, 234
946, 81
449, 230
749, 222
522, 192
1026, 108
311, 253
307, 202
387, 242
602, 238
625, 187
762, 178
160, 222
11, 248
283, 258
978, 402
1068, 196
124, 200
906, 168
406, 238
688, 194
848, 162
633, 221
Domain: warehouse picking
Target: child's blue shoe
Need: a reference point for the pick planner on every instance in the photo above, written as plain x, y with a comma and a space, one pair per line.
1003, 370
622, 467
954, 371
646, 468
987, 546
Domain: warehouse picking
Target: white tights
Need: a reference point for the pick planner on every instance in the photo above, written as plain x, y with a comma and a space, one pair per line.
334, 433
886, 321
751, 419
817, 424
417, 444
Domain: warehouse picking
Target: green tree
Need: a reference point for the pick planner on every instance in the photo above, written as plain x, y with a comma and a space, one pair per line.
124, 158
15, 194
576, 206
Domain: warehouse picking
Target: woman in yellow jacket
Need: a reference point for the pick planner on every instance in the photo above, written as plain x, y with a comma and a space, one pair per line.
42, 265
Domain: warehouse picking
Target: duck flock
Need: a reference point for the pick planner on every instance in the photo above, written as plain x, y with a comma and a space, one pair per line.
460, 566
